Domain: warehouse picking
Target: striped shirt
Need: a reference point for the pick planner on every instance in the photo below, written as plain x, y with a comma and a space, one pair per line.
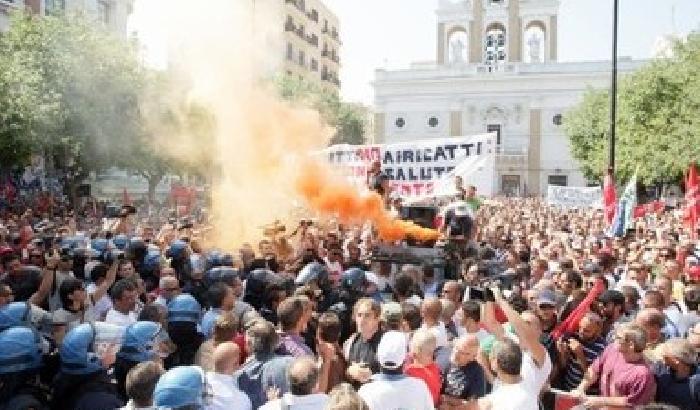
573, 374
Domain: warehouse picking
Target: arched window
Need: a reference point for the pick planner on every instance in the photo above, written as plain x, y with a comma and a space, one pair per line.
534, 40
495, 44
457, 45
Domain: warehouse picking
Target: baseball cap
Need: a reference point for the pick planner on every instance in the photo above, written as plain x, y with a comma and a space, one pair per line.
546, 297
391, 312
392, 350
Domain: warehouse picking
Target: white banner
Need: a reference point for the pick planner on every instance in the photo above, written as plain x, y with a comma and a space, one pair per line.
422, 168
569, 196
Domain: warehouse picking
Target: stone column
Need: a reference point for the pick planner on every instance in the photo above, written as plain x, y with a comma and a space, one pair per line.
533, 152
455, 123
379, 130
476, 34
441, 59
553, 38
514, 33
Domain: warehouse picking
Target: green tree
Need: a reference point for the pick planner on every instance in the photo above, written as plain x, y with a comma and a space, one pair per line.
658, 127
78, 89
349, 120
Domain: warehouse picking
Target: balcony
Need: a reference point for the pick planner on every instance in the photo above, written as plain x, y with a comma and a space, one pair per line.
313, 16
313, 40
325, 53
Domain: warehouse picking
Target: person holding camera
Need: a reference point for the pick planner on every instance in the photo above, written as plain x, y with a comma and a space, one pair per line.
577, 351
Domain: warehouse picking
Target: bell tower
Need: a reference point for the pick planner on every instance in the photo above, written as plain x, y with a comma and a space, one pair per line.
496, 31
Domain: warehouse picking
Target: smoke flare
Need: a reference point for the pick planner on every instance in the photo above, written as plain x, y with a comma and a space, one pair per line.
332, 195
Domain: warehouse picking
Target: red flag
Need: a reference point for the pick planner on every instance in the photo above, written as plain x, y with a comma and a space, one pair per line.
570, 324
126, 199
609, 197
692, 199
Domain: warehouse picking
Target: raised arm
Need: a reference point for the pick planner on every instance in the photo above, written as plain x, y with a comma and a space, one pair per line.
47, 276
528, 335
107, 283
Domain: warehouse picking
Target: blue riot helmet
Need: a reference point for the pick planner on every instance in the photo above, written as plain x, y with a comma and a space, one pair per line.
226, 260
77, 352
213, 259
15, 314
222, 274
140, 342
21, 350
121, 241
180, 386
354, 279
255, 286
99, 244
184, 308
151, 262
177, 249
313, 271
136, 250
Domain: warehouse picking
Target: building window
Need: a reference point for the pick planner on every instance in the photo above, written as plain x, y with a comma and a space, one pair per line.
104, 12
510, 184
497, 129
324, 73
289, 24
325, 26
290, 51
400, 122
54, 6
302, 58
557, 119
558, 180
433, 122
302, 5
495, 44
314, 64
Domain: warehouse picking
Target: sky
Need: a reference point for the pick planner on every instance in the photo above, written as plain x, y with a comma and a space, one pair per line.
392, 34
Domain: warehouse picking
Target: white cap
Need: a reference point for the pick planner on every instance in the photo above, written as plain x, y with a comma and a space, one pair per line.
392, 350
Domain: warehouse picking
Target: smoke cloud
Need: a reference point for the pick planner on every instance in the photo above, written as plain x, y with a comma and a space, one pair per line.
223, 52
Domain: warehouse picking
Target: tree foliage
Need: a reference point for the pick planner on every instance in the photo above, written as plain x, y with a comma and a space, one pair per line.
349, 120
658, 126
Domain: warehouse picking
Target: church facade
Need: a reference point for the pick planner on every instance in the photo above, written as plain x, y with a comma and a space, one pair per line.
496, 70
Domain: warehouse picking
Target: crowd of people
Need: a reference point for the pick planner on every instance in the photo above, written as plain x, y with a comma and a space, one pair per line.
545, 311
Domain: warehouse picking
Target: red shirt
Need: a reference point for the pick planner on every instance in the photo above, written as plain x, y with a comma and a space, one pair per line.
619, 378
430, 374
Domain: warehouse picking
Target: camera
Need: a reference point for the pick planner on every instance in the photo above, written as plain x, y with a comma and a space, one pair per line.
481, 295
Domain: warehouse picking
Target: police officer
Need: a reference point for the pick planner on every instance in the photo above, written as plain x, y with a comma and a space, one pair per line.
184, 315
83, 382
140, 344
20, 362
181, 386
352, 288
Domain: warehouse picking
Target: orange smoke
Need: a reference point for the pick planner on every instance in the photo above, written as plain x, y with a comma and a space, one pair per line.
336, 196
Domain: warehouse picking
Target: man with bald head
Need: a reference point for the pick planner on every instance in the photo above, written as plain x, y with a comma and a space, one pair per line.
464, 379
431, 313
226, 394
302, 376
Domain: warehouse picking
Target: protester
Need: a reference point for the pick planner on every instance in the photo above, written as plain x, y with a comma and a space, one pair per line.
150, 292
390, 388
225, 394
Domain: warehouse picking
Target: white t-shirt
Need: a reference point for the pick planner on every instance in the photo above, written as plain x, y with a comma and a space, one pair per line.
309, 402
118, 318
103, 305
524, 395
402, 394
225, 393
